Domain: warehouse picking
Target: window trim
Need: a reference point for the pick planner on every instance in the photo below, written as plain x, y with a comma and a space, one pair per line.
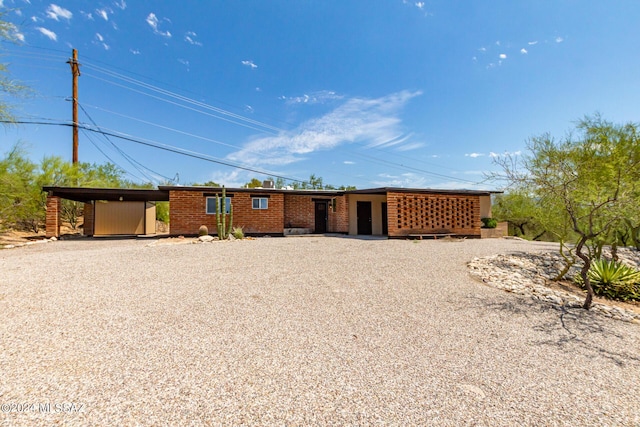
260, 200
227, 205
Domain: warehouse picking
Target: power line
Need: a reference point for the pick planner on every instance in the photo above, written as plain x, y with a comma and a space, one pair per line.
130, 159
204, 138
266, 127
89, 137
165, 147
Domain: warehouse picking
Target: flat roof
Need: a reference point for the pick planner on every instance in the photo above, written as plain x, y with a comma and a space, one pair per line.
86, 195
379, 190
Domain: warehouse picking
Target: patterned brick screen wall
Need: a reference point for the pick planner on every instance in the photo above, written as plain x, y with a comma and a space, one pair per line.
433, 213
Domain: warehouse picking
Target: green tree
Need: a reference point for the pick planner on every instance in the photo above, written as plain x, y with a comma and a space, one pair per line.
254, 183
19, 197
8, 86
588, 180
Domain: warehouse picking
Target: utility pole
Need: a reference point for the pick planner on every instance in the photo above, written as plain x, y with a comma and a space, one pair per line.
75, 72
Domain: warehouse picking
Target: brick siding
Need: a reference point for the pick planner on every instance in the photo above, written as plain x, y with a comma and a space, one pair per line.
187, 212
52, 221
88, 218
299, 212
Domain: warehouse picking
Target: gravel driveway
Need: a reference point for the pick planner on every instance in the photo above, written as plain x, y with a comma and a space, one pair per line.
297, 331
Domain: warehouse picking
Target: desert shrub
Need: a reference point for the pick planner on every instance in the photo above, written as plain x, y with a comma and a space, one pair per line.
489, 223
203, 230
613, 279
238, 233
162, 212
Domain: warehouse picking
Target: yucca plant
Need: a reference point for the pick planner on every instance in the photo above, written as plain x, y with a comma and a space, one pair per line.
613, 279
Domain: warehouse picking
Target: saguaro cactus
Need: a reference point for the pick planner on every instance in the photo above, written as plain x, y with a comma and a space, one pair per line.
221, 216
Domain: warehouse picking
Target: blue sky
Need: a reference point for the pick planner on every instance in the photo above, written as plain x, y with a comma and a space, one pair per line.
385, 93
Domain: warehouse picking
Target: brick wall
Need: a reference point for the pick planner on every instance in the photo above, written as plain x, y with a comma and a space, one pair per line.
52, 221
433, 213
187, 212
339, 220
299, 212
88, 218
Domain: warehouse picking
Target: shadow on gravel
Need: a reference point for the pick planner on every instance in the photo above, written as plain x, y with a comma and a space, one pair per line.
570, 329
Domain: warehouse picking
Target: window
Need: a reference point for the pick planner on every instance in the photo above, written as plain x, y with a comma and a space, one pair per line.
211, 205
260, 203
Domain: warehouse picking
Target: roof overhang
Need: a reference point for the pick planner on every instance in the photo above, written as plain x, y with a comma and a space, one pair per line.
87, 195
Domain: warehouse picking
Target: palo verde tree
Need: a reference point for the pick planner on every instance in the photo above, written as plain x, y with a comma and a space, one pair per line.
588, 180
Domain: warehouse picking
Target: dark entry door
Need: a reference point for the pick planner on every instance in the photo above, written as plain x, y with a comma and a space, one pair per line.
364, 218
385, 220
321, 218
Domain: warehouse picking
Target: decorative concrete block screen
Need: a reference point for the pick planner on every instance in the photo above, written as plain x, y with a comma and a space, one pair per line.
434, 213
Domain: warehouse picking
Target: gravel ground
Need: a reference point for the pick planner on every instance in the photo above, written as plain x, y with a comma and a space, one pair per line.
298, 331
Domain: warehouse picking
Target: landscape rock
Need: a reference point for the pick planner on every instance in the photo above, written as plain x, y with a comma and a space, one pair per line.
529, 274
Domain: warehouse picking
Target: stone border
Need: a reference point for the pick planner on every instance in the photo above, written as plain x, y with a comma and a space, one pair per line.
29, 243
528, 274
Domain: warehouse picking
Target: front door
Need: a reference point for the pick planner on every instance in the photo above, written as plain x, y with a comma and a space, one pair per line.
364, 218
321, 217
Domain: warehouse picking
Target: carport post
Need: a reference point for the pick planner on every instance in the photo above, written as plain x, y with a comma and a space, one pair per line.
52, 222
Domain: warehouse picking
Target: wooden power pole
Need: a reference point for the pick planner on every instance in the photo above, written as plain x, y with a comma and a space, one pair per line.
75, 72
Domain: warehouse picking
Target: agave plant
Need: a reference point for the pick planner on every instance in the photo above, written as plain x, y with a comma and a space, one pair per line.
613, 279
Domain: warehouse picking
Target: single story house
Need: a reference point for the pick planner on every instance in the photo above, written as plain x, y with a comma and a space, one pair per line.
387, 211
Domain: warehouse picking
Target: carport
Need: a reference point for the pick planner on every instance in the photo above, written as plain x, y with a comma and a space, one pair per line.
107, 211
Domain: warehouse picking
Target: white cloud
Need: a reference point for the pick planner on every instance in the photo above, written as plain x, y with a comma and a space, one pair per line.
420, 5
349, 162
258, 89
372, 121
523, 51
153, 22
411, 146
120, 4
406, 180
103, 13
559, 39
190, 37
87, 15
56, 12
318, 97
183, 62
12, 30
533, 43
483, 49
100, 41
503, 56
48, 33
248, 108
134, 51
234, 179
249, 64
506, 153
474, 155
